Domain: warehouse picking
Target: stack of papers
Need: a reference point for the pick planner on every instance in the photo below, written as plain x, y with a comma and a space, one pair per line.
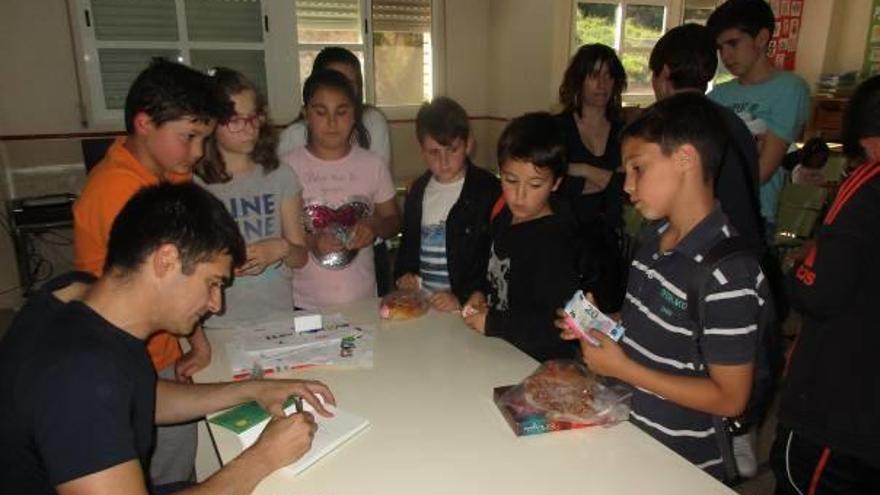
272, 345
837, 85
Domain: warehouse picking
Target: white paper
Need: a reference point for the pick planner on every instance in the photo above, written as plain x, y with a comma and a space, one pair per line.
332, 432
272, 345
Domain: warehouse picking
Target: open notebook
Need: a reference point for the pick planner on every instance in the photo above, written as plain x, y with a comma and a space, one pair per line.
238, 428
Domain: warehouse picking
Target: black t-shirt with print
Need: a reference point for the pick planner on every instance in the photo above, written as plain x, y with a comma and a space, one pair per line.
532, 272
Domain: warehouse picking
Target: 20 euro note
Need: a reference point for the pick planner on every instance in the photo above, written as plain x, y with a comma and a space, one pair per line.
581, 315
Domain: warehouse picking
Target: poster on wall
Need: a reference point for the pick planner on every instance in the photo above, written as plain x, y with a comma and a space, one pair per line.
872, 50
783, 45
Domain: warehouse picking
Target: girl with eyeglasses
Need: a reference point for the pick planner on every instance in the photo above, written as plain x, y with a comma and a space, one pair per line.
241, 168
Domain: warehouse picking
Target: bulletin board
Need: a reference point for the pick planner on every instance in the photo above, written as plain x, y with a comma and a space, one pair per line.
783, 46
872, 50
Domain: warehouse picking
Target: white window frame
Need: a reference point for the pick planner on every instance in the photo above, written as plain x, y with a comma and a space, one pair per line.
280, 49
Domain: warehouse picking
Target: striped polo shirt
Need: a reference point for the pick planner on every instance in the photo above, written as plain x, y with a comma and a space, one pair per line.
660, 333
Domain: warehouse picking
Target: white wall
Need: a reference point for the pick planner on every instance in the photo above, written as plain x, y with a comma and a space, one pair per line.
813, 39
38, 83
833, 37
848, 35
529, 45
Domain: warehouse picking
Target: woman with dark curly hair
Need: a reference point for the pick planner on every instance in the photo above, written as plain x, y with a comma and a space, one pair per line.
241, 168
591, 95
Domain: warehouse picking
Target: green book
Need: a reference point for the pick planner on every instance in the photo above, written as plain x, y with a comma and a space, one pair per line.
244, 417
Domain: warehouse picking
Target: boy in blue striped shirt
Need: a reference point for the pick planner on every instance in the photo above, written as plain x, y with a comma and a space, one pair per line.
671, 155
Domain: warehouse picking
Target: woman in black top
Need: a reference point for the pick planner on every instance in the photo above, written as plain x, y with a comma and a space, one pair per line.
591, 120
591, 95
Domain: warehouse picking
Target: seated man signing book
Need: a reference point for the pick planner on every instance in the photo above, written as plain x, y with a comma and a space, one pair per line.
79, 399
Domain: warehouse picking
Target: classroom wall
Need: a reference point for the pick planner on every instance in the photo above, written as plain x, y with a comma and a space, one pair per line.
813, 40
529, 43
848, 35
833, 37
466, 62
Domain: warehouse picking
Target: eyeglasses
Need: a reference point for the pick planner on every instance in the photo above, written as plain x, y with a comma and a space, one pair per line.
237, 123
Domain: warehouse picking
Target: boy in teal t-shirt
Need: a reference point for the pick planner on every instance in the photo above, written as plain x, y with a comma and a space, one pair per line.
773, 104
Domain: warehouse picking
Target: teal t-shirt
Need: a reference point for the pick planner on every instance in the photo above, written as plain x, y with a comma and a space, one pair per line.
780, 105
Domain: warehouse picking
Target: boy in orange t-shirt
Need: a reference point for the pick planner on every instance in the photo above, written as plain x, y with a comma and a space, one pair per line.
169, 112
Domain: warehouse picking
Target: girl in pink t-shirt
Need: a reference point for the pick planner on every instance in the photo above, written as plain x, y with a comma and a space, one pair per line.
348, 197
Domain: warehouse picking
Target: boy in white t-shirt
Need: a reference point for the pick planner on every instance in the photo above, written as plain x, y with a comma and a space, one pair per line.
445, 243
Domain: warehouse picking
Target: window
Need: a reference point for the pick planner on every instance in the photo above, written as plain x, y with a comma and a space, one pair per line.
273, 42
122, 36
397, 57
632, 27
698, 11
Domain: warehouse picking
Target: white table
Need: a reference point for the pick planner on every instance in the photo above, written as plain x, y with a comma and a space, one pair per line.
435, 429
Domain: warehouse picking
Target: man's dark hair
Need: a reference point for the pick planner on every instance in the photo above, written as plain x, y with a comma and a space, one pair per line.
534, 138
860, 118
169, 91
684, 118
689, 52
444, 120
748, 16
582, 65
335, 80
184, 215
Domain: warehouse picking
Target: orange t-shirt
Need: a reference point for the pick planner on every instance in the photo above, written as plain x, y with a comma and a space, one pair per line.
113, 181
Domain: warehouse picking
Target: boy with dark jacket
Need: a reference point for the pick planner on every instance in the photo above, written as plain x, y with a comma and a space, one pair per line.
445, 242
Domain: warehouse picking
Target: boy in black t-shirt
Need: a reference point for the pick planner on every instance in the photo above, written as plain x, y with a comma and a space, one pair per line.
533, 265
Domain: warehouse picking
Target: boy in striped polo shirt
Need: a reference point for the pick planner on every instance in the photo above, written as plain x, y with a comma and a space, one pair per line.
671, 154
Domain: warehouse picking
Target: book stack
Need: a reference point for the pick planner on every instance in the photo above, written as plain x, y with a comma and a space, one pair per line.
837, 85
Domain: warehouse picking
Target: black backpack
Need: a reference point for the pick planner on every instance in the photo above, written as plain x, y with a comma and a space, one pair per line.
768, 346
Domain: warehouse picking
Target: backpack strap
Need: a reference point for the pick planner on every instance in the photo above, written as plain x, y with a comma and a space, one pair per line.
754, 190
497, 207
697, 287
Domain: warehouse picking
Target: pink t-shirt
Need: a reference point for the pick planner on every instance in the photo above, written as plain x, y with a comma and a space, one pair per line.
336, 194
